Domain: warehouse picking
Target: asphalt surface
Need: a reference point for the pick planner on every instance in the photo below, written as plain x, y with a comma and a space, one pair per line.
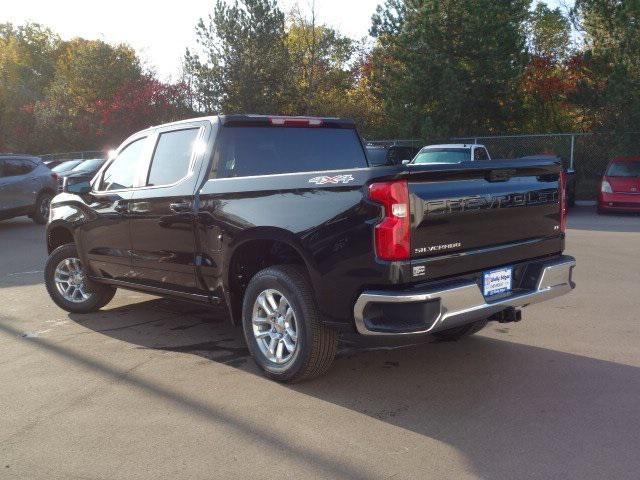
150, 388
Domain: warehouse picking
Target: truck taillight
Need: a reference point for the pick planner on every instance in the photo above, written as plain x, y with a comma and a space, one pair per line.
563, 202
392, 234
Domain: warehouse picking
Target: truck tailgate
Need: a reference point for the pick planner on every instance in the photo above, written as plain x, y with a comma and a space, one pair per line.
460, 209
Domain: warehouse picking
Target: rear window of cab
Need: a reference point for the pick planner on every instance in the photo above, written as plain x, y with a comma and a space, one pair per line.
249, 151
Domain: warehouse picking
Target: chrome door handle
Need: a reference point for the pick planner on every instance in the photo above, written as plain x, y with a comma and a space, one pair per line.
180, 207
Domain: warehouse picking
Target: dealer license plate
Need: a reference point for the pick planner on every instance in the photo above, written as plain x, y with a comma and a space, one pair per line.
498, 281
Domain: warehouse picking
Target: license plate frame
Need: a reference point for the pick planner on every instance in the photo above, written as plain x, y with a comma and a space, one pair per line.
497, 281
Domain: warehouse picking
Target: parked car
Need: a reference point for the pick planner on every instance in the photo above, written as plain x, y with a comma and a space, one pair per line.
66, 166
281, 222
54, 163
389, 152
83, 171
26, 187
451, 154
620, 188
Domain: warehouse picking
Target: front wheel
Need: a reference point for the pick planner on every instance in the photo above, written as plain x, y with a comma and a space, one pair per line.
68, 285
282, 327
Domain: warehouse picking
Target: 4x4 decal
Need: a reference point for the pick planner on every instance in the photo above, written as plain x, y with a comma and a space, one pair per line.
323, 180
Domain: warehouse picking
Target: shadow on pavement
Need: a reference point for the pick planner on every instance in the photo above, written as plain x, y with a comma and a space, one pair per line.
513, 410
586, 218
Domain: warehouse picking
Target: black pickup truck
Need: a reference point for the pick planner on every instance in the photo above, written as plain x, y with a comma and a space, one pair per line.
281, 222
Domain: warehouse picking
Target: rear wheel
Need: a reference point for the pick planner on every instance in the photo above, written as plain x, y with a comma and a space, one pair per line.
457, 333
41, 212
68, 285
281, 323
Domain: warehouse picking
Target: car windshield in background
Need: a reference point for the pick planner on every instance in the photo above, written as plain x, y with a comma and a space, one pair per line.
248, 151
88, 165
377, 156
66, 166
624, 169
442, 155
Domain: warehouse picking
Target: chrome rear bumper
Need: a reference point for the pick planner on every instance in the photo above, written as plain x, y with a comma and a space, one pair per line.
464, 302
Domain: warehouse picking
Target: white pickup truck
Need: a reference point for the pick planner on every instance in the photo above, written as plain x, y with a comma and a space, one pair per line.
451, 153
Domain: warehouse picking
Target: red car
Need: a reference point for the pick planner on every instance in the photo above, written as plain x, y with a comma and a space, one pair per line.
620, 189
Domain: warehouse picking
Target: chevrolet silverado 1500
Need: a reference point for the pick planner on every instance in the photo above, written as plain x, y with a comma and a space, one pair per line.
281, 222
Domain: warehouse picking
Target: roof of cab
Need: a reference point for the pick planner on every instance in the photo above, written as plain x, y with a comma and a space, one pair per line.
453, 145
261, 120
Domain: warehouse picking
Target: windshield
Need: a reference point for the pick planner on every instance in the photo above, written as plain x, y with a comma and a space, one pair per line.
443, 155
88, 165
377, 156
66, 166
624, 169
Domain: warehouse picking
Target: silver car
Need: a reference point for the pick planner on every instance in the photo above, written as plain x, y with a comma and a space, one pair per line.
26, 187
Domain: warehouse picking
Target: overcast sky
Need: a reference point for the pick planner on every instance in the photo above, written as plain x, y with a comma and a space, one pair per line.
161, 30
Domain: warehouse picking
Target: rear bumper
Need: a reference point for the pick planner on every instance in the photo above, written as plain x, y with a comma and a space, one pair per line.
619, 202
457, 303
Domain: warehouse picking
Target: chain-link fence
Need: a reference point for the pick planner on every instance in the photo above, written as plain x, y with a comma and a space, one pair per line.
74, 155
587, 153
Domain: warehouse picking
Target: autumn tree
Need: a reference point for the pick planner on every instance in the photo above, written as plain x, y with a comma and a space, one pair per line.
87, 73
243, 63
551, 75
610, 95
447, 67
28, 56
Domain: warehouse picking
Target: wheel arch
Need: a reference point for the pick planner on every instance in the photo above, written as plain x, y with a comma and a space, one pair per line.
258, 249
58, 234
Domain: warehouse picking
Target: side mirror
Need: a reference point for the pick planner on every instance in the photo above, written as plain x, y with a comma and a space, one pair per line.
79, 188
406, 162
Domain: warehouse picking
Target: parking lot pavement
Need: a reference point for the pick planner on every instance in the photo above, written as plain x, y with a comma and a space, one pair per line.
151, 388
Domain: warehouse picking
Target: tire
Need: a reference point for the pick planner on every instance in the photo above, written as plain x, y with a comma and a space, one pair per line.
315, 345
41, 212
458, 333
97, 295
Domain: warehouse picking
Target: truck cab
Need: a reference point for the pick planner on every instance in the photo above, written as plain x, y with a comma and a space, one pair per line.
451, 154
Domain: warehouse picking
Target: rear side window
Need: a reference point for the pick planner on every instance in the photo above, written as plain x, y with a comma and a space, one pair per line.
377, 156
14, 167
480, 155
247, 151
123, 170
172, 156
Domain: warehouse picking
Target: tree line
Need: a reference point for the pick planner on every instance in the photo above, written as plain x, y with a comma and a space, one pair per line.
429, 69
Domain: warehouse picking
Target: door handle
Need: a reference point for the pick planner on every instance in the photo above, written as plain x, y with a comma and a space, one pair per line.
180, 207
121, 207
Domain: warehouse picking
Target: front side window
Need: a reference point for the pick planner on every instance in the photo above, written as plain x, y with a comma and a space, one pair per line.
249, 151
172, 156
123, 170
